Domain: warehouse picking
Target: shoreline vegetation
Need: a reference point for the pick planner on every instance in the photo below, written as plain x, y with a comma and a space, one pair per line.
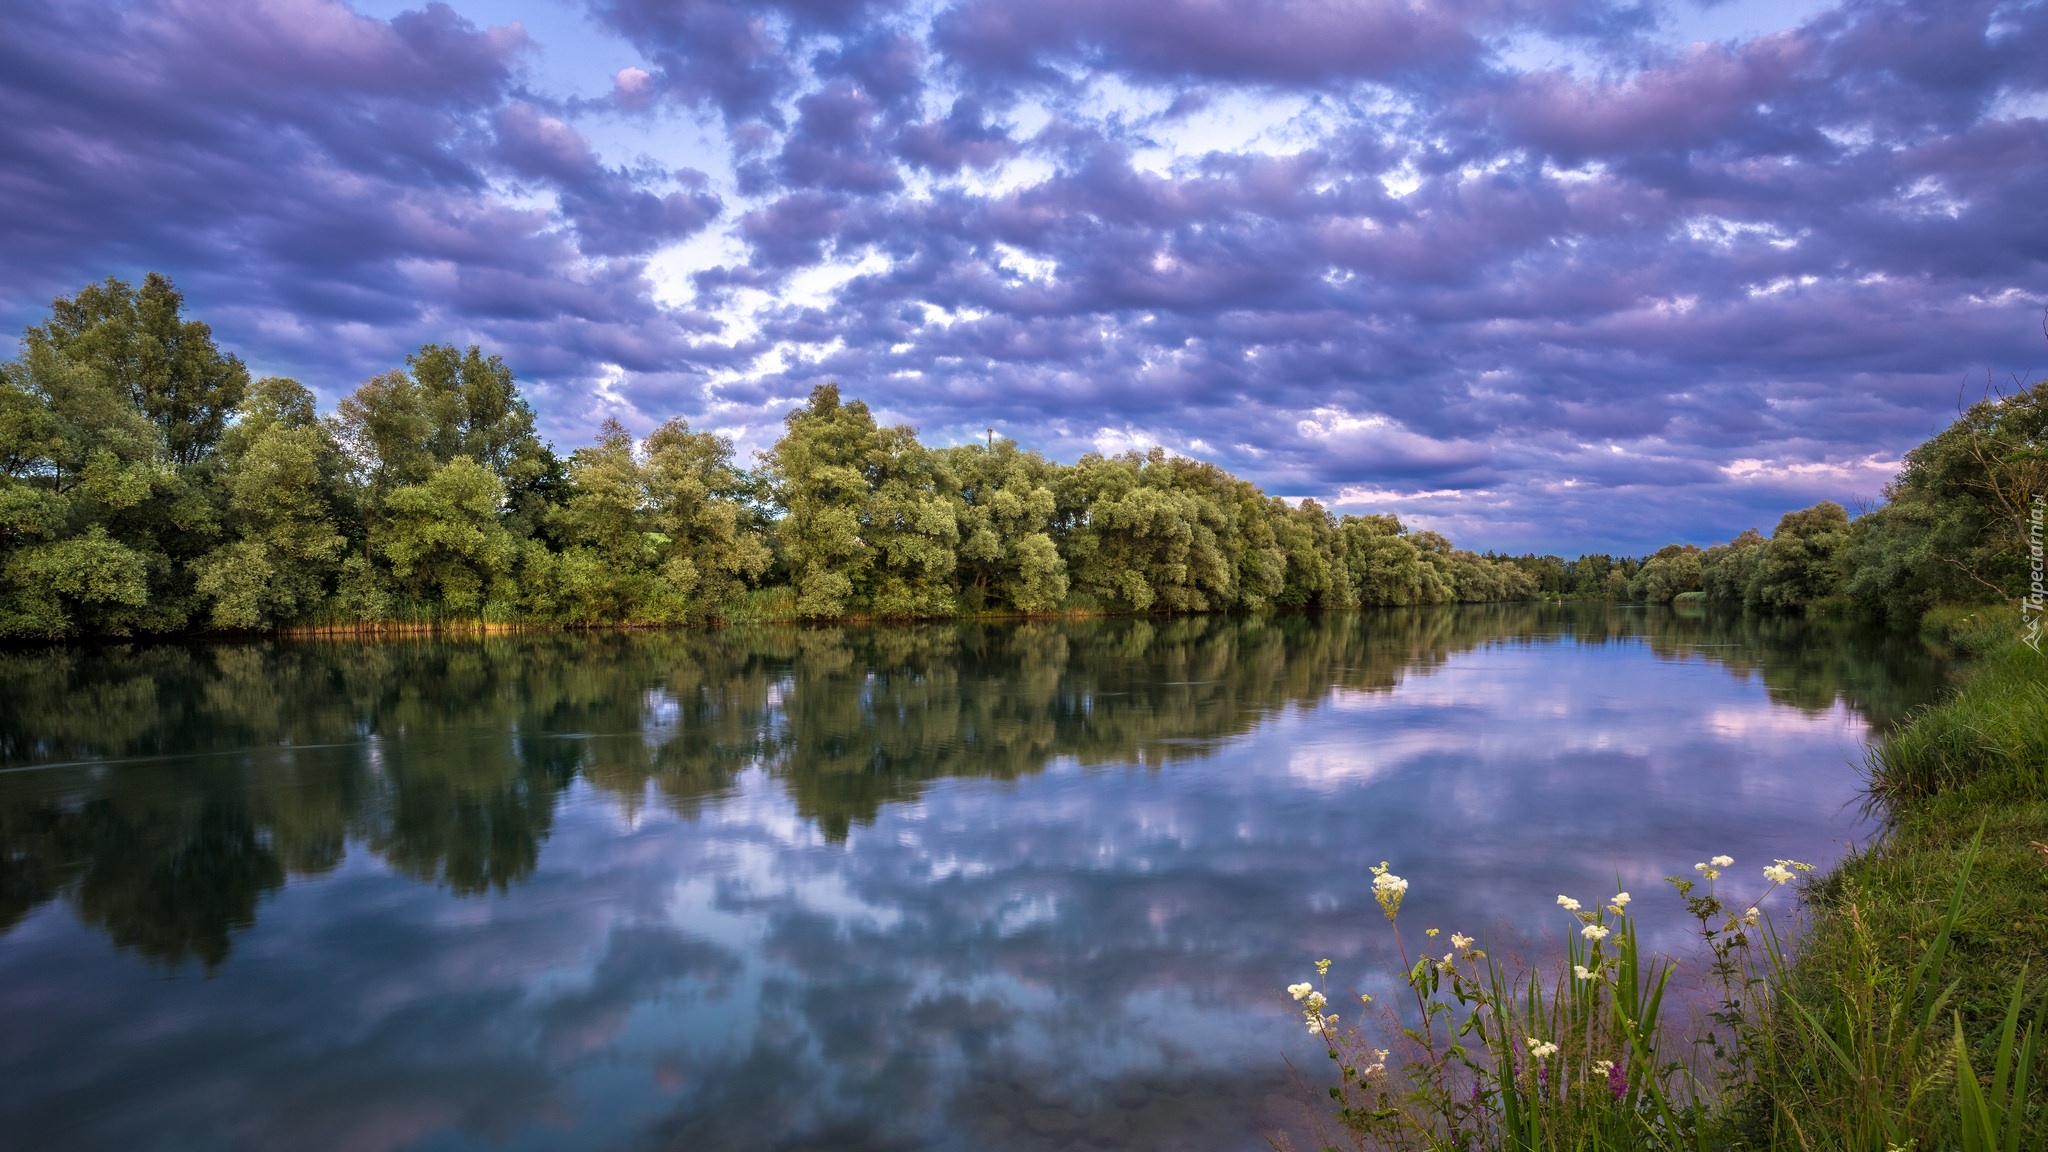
150, 487
1908, 1011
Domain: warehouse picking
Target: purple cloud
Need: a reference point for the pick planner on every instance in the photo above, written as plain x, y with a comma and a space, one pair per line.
1538, 274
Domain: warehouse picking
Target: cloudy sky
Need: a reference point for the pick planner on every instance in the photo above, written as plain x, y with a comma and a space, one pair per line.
1539, 273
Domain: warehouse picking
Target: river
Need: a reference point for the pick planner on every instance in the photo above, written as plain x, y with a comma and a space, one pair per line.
989, 886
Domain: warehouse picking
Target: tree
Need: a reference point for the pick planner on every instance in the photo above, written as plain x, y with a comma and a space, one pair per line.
1316, 574
444, 541
1957, 522
606, 573
1672, 571
1140, 537
1004, 507
114, 409
1386, 568
403, 427
1727, 569
1799, 567
140, 343
867, 525
282, 471
78, 458
711, 541
474, 409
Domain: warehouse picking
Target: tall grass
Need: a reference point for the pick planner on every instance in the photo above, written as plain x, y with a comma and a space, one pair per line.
1908, 1017
1991, 739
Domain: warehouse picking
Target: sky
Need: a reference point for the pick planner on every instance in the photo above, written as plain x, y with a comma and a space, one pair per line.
1540, 274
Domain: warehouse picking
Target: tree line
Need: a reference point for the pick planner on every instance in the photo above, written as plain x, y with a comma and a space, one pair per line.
1957, 526
150, 486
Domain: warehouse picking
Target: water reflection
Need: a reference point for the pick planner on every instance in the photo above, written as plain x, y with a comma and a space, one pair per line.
962, 886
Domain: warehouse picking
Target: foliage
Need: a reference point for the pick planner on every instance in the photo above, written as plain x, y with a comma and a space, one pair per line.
1580, 1057
868, 525
444, 540
1004, 511
1674, 571
1799, 566
1958, 521
282, 471
148, 487
138, 342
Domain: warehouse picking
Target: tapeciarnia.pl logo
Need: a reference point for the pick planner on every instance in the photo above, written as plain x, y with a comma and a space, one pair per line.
2037, 594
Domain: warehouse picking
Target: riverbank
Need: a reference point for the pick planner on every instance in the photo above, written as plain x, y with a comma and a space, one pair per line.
1926, 930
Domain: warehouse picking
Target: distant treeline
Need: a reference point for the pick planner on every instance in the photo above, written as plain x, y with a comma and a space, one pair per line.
1960, 525
151, 487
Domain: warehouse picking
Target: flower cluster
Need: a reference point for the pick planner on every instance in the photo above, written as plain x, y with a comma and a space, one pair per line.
1312, 1004
1450, 1094
1781, 872
1388, 889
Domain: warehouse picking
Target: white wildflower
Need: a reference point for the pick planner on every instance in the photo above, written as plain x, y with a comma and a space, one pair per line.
1721, 861
1602, 1067
1583, 972
1388, 889
1298, 991
1621, 899
1567, 903
1752, 917
1315, 1001
1461, 940
1593, 932
1778, 874
1541, 1049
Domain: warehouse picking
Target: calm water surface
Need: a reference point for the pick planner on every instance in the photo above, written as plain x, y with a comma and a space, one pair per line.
1022, 887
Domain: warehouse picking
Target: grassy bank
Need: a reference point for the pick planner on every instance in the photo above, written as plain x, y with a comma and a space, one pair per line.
1906, 1014
1928, 931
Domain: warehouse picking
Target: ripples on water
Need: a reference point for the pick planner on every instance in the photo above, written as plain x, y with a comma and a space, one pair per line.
1021, 886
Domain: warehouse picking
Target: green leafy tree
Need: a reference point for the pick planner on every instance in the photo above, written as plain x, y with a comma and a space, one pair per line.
1726, 570
1957, 521
113, 411
474, 409
139, 342
607, 572
710, 541
1387, 568
1139, 538
446, 544
282, 471
79, 458
403, 427
867, 526
1672, 571
1799, 566
1004, 509
1316, 575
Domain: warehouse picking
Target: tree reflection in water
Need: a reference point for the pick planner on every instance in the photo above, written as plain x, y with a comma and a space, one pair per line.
164, 790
